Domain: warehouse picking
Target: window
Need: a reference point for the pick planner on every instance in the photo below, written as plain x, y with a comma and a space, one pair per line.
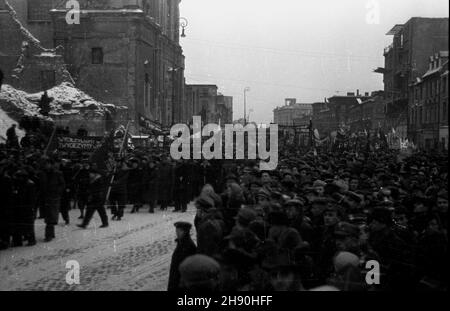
444, 111
97, 56
39, 10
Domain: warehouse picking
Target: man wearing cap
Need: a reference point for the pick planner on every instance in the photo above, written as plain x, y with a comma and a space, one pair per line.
185, 248
199, 273
319, 187
244, 217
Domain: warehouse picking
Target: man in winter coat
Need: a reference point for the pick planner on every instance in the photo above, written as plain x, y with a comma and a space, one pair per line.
82, 182
181, 187
68, 175
185, 248
135, 183
118, 196
6, 208
52, 186
150, 180
24, 201
96, 199
166, 181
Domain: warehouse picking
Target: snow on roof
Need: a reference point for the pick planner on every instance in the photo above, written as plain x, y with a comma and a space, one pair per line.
5, 123
67, 100
16, 101
66, 93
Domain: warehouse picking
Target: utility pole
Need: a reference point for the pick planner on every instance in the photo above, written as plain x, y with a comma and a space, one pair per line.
247, 89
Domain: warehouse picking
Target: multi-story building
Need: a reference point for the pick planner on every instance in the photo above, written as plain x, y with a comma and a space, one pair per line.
428, 105
335, 112
291, 111
123, 52
443, 108
368, 115
406, 60
204, 100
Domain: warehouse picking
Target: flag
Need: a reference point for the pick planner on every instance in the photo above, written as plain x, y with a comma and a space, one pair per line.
100, 156
52, 145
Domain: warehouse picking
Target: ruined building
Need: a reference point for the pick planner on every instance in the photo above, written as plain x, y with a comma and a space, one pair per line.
123, 52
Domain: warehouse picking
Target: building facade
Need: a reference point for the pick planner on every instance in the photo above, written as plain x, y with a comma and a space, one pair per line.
368, 116
291, 112
123, 52
406, 60
204, 100
335, 112
428, 105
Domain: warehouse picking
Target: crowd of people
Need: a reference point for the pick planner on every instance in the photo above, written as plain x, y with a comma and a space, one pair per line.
313, 223
319, 222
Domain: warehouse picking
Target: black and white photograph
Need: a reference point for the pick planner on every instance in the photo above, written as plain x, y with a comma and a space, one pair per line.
204, 147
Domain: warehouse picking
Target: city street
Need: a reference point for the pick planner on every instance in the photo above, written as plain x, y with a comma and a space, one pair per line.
133, 254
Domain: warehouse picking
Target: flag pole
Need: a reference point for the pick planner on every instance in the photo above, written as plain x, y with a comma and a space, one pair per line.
51, 139
108, 193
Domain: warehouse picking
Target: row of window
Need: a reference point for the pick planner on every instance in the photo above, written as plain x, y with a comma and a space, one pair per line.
430, 88
425, 115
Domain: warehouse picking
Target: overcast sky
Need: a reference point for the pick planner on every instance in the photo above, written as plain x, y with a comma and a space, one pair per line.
307, 50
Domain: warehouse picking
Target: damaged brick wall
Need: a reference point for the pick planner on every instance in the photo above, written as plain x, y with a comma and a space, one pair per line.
27, 65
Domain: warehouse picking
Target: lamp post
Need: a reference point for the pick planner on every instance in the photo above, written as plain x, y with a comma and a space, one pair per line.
247, 89
183, 23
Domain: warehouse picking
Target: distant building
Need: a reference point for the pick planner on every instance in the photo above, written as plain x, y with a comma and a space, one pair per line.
204, 100
428, 105
368, 115
406, 60
335, 113
291, 112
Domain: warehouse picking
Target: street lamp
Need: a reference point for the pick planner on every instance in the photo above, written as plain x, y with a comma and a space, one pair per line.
247, 89
183, 23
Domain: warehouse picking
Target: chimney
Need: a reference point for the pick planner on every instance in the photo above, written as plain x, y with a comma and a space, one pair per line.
357, 92
366, 94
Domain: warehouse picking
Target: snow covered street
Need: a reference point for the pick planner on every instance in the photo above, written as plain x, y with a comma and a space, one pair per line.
133, 254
